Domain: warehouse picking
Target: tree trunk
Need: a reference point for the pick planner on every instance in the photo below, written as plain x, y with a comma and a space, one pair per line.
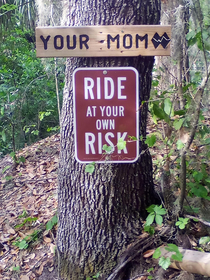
100, 214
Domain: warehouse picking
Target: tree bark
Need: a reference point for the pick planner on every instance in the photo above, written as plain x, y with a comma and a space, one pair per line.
100, 214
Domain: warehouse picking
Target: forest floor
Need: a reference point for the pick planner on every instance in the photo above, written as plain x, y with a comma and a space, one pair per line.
28, 201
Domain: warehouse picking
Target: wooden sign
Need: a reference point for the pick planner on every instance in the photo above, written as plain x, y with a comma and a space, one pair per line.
106, 109
98, 41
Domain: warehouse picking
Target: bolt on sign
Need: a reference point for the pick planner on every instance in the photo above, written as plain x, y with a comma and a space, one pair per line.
106, 109
99, 41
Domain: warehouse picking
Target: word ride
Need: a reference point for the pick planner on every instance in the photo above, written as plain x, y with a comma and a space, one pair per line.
106, 111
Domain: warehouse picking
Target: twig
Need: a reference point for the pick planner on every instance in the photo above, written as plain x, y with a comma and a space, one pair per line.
38, 78
15, 8
199, 219
199, 94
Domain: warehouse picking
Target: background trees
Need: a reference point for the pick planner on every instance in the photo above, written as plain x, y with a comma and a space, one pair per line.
28, 99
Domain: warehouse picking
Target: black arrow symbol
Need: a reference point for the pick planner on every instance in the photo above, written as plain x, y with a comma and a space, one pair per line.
160, 40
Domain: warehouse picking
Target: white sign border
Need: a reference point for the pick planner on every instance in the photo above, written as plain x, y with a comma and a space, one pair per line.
137, 111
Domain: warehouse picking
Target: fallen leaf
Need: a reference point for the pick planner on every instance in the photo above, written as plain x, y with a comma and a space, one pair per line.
21, 234
51, 269
40, 270
11, 230
47, 239
52, 248
24, 277
34, 192
32, 256
27, 267
148, 253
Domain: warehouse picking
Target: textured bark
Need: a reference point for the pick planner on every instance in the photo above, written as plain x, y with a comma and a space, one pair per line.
100, 214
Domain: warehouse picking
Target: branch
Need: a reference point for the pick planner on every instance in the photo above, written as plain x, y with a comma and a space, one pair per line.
199, 219
199, 93
38, 78
15, 8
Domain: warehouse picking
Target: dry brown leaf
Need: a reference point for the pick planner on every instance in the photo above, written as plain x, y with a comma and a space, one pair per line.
24, 277
21, 234
52, 168
52, 248
11, 230
51, 269
148, 253
40, 270
141, 278
14, 251
32, 256
35, 192
47, 239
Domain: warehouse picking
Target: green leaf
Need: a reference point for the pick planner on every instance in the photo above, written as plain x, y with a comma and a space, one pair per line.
178, 124
182, 222
51, 223
121, 144
159, 210
155, 83
107, 148
16, 268
23, 245
3, 135
22, 159
96, 276
149, 229
198, 176
179, 144
157, 253
89, 168
172, 248
164, 262
177, 257
150, 269
2, 111
150, 140
150, 219
5, 169
158, 112
204, 240
191, 38
150, 209
200, 191
179, 113
159, 219
132, 138
207, 180
8, 178
168, 106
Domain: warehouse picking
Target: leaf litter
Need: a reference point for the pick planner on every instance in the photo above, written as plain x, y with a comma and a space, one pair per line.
28, 200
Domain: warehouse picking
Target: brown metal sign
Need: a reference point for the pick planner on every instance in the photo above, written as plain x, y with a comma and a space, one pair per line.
105, 110
98, 41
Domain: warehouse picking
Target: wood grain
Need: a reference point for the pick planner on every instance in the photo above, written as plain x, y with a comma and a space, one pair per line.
103, 41
193, 261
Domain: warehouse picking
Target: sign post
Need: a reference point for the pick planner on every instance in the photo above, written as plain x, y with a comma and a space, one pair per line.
106, 107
